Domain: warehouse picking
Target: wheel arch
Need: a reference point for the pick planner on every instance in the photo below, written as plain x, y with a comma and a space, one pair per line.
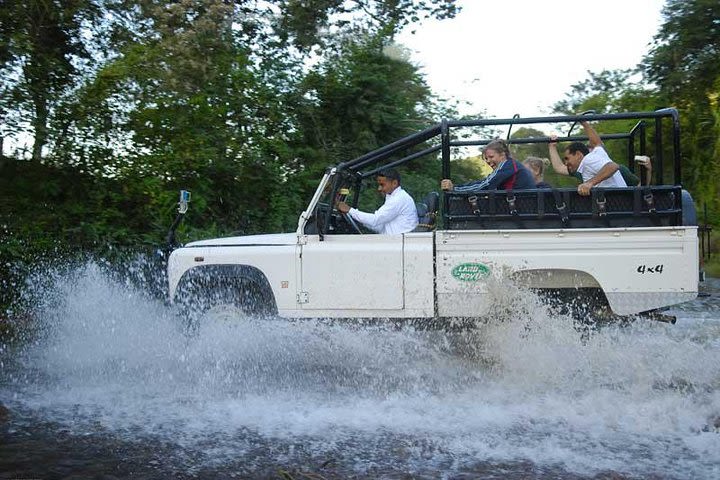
205, 276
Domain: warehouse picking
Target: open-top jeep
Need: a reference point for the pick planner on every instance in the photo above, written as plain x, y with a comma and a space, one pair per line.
634, 249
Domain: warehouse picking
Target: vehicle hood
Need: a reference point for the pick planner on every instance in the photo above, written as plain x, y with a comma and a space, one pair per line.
269, 239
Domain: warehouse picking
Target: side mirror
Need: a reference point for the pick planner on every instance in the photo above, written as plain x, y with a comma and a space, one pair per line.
182, 210
184, 200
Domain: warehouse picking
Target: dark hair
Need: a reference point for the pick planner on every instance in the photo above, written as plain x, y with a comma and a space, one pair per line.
575, 147
389, 173
499, 145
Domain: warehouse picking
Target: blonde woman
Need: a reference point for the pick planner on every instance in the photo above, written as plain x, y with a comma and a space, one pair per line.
537, 165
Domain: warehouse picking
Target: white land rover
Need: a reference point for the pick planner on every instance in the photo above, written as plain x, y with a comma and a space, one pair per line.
634, 249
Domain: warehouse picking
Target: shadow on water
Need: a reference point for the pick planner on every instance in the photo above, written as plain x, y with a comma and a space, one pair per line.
108, 383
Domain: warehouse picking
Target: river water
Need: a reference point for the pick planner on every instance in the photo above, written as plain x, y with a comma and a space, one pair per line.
110, 385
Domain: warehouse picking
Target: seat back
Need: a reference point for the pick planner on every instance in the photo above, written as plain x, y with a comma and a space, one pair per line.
612, 207
427, 212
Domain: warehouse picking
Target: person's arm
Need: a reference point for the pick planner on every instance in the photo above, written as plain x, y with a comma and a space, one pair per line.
345, 208
593, 138
648, 171
555, 159
491, 182
375, 221
607, 171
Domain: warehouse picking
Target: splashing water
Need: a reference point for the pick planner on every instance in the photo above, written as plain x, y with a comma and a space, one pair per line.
638, 399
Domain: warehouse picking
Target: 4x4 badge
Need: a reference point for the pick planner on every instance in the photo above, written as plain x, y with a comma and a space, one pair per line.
470, 272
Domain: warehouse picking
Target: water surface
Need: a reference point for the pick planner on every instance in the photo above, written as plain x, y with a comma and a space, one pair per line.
112, 374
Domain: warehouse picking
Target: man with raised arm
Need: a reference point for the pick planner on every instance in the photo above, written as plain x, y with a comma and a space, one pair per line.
594, 164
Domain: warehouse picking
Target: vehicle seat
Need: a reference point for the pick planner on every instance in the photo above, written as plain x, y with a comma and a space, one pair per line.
427, 212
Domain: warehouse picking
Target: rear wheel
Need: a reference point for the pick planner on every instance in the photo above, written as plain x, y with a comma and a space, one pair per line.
587, 306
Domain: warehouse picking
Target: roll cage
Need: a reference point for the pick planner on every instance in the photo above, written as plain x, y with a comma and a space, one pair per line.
650, 131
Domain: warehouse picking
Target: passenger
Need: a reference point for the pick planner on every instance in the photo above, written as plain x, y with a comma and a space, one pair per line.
536, 165
397, 215
507, 173
630, 178
594, 164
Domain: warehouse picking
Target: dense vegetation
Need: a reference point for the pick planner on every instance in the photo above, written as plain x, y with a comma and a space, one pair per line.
109, 107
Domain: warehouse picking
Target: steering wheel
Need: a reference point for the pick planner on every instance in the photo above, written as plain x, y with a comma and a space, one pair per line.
335, 215
352, 222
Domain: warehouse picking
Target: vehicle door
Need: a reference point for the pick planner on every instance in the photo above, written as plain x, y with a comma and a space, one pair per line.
352, 272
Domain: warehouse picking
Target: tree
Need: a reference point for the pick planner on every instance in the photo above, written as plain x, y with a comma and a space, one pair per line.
362, 96
201, 94
608, 91
308, 23
685, 57
685, 64
41, 48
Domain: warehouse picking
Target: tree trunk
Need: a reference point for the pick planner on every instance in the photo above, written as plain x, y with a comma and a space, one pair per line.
39, 125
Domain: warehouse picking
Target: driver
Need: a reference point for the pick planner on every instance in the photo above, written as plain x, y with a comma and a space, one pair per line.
397, 215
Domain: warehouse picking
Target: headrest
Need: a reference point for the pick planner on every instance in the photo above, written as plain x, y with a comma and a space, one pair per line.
432, 201
422, 209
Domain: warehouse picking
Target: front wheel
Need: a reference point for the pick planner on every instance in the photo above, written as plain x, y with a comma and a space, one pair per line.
222, 300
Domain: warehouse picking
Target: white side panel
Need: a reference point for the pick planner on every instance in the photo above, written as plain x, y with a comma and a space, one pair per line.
623, 262
180, 261
277, 262
353, 272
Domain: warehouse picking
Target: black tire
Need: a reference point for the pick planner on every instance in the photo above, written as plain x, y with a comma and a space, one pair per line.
587, 306
223, 298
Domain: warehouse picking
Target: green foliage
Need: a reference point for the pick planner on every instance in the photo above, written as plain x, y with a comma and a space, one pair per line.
614, 91
685, 58
361, 97
134, 100
307, 23
57, 212
522, 151
46, 204
685, 63
712, 262
42, 45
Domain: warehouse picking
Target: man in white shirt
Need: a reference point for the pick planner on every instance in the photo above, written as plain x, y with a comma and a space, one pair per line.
594, 164
397, 215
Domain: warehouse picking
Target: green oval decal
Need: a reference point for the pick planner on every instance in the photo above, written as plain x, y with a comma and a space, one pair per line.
470, 272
